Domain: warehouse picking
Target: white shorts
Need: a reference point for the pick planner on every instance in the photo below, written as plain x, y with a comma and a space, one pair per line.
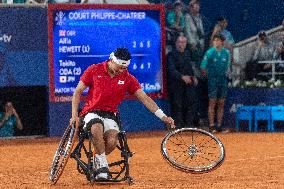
108, 123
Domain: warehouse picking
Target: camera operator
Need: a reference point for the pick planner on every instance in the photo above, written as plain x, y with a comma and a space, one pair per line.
9, 121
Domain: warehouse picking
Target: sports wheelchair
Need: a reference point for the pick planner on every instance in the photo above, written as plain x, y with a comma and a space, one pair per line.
83, 153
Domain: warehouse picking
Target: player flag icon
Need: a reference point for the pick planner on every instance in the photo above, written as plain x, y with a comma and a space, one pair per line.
62, 79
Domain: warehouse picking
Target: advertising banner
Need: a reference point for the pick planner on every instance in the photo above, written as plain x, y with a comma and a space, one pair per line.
23, 46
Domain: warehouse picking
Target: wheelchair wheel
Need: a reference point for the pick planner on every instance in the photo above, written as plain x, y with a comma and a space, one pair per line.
62, 153
193, 150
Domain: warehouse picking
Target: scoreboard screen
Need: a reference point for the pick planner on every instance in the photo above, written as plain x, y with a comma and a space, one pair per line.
82, 35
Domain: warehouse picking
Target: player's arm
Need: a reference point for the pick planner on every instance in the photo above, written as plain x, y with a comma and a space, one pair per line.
153, 107
76, 100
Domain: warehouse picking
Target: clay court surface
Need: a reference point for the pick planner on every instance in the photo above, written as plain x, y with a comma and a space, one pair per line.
253, 160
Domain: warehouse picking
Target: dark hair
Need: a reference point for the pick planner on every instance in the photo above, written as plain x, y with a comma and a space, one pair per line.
221, 18
219, 36
192, 2
262, 34
122, 54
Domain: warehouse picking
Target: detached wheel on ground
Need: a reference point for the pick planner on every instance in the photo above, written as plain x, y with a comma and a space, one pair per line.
192, 150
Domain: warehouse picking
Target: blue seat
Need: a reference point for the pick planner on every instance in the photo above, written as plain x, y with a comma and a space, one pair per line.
277, 114
262, 113
244, 113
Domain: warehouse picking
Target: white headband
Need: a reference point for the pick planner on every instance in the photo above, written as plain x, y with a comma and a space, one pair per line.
119, 61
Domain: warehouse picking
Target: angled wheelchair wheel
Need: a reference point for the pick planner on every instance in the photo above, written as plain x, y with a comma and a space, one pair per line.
192, 150
62, 153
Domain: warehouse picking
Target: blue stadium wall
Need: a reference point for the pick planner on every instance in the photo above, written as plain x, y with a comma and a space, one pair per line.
26, 57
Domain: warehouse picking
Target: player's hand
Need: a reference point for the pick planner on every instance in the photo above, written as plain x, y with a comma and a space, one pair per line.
73, 120
169, 121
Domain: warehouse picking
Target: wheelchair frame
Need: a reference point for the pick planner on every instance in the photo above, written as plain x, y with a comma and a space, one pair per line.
86, 167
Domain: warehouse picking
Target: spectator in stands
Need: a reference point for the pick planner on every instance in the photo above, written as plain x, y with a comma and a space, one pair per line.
279, 50
194, 31
262, 51
9, 121
181, 85
221, 28
279, 55
175, 22
215, 64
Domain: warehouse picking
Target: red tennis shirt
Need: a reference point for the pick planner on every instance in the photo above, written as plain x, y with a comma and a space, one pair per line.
105, 92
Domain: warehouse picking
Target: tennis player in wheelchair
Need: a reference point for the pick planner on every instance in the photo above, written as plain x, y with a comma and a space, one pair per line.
108, 82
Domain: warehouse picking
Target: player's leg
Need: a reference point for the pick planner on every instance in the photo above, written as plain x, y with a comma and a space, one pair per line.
222, 93
99, 143
212, 95
95, 124
220, 111
108, 137
111, 140
211, 113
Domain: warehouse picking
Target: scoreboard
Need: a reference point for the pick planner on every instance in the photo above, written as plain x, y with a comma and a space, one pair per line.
82, 35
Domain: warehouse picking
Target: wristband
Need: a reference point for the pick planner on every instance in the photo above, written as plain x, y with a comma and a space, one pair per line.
159, 113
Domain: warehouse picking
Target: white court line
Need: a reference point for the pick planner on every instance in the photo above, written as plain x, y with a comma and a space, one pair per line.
262, 158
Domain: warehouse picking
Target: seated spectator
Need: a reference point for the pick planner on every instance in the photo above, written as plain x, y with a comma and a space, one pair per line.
279, 55
279, 50
262, 51
195, 33
9, 121
175, 22
194, 30
221, 28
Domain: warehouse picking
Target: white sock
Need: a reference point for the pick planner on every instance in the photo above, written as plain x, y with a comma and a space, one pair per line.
102, 160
